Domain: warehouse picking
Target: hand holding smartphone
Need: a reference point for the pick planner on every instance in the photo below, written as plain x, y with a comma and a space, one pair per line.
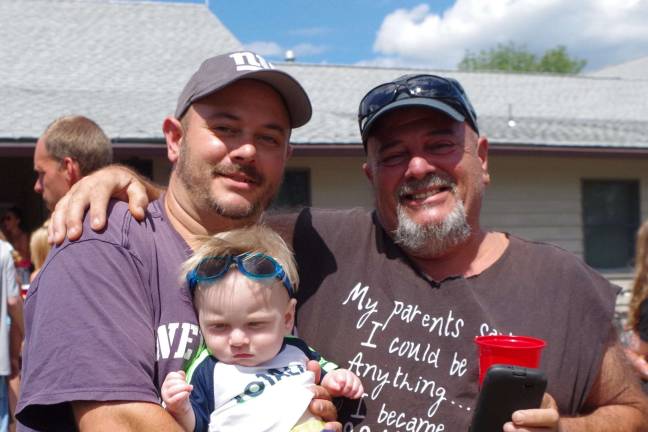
506, 389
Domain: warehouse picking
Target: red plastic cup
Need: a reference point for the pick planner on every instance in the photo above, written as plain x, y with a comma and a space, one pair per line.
511, 350
23, 290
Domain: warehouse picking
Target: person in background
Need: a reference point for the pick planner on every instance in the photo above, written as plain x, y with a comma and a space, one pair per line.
11, 322
39, 248
71, 147
637, 344
13, 227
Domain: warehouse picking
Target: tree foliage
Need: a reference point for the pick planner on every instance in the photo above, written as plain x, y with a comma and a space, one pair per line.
516, 58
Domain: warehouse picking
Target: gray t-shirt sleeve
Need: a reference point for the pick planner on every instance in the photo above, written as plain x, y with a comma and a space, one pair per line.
91, 332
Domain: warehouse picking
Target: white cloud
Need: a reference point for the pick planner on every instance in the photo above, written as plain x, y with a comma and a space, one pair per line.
265, 48
600, 31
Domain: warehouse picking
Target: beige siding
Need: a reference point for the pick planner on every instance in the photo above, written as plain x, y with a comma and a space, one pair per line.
336, 182
540, 197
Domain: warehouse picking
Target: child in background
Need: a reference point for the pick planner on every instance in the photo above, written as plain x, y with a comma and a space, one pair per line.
39, 247
252, 374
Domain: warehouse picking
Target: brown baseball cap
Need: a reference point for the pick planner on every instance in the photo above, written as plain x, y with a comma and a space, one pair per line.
222, 70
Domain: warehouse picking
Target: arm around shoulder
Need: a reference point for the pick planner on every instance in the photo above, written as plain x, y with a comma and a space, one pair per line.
94, 192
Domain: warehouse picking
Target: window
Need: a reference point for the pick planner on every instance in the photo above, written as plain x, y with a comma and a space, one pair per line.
610, 221
295, 190
142, 166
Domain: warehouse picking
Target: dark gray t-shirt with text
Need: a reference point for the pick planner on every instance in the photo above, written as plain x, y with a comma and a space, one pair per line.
366, 308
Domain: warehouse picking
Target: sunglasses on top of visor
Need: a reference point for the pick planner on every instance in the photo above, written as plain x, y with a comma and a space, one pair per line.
445, 90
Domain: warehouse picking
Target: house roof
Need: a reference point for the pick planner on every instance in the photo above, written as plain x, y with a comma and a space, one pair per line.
123, 64
633, 69
549, 110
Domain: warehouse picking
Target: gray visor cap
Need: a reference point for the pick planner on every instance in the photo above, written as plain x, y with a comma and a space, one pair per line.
410, 102
218, 72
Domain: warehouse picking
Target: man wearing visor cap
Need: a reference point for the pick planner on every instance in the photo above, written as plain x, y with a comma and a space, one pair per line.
416, 280
397, 295
108, 317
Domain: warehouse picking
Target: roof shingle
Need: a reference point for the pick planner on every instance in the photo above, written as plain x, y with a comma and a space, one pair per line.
121, 63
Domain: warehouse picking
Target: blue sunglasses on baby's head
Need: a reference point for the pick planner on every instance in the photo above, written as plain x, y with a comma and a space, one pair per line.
253, 265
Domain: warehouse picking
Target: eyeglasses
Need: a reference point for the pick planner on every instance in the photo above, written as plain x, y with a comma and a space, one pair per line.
445, 90
253, 266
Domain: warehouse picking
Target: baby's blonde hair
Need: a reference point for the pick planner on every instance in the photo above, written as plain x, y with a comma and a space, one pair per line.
253, 239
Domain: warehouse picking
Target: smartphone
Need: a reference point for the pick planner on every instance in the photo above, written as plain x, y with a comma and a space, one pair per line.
506, 389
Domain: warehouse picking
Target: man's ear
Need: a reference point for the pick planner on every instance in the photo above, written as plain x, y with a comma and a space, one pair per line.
289, 315
289, 151
71, 169
173, 133
366, 168
482, 154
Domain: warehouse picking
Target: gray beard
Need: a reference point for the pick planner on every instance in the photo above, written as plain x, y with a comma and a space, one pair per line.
432, 240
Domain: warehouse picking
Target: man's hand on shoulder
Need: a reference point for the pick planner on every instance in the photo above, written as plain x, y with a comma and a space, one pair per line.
95, 191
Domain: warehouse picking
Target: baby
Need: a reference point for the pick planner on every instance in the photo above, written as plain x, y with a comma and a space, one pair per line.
251, 375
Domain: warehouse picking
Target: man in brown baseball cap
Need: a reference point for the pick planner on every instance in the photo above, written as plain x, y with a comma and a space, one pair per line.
108, 317
240, 101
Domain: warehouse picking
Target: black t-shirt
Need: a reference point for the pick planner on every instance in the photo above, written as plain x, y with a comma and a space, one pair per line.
410, 340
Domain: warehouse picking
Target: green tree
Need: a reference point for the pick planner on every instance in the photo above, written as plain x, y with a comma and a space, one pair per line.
557, 60
516, 58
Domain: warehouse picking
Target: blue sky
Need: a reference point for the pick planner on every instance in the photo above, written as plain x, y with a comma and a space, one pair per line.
434, 34
329, 31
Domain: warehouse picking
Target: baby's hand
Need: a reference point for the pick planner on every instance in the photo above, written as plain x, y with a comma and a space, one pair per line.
341, 382
175, 393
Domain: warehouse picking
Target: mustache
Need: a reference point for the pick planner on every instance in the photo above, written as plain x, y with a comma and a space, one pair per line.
438, 180
249, 171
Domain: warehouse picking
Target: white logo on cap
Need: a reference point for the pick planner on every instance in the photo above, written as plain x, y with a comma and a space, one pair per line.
248, 61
